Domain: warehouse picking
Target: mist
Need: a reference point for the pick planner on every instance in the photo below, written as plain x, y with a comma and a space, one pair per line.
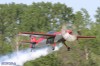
22, 56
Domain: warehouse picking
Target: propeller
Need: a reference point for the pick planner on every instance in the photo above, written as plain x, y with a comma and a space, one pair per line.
68, 34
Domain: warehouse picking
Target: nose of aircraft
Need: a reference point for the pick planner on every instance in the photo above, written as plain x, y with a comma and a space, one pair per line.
69, 31
67, 34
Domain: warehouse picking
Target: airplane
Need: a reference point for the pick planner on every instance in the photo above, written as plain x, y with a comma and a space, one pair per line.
52, 38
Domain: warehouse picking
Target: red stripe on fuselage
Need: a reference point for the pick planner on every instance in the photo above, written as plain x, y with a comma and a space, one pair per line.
40, 39
34, 39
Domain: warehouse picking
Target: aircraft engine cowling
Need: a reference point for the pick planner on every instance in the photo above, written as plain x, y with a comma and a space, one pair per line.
69, 37
67, 34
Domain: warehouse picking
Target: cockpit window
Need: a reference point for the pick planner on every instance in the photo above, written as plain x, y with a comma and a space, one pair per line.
51, 32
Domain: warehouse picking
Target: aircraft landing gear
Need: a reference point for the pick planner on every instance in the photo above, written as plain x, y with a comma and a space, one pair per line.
53, 48
68, 48
32, 45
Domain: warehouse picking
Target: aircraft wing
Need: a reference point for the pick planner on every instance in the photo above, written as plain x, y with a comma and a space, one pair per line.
36, 33
86, 37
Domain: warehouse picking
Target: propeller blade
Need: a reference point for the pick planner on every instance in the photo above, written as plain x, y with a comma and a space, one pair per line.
63, 30
66, 34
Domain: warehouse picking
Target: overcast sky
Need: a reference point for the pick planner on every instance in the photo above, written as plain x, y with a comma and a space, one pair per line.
89, 5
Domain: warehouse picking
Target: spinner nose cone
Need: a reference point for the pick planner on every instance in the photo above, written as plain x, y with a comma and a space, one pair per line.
69, 31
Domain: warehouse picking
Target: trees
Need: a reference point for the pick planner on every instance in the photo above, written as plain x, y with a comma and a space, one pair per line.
39, 17
50, 60
97, 16
9, 17
95, 28
45, 14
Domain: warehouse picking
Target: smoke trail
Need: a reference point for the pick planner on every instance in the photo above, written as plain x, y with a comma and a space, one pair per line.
19, 58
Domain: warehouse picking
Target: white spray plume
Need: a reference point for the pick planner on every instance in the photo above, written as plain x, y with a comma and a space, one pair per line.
19, 58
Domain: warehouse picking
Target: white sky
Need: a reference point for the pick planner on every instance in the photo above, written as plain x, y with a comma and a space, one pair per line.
89, 5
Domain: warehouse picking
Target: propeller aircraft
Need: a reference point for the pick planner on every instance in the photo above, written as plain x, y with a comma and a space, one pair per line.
52, 38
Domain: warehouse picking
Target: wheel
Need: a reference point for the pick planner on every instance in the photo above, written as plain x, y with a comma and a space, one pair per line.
68, 48
53, 48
